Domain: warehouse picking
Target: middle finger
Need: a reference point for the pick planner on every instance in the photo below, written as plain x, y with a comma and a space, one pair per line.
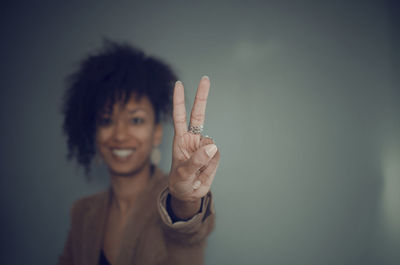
199, 107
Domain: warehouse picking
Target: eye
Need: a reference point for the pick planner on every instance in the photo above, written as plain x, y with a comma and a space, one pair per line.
104, 121
137, 120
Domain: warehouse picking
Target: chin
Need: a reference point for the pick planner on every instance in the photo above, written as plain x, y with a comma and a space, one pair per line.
130, 171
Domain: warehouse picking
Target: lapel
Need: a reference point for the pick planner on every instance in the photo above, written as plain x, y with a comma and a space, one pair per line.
143, 214
93, 227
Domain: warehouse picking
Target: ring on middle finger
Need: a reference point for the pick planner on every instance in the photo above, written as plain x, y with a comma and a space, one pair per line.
195, 129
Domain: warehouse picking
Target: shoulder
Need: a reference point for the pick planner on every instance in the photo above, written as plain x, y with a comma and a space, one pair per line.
85, 204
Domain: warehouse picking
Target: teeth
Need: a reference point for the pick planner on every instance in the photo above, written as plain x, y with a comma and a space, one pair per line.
122, 152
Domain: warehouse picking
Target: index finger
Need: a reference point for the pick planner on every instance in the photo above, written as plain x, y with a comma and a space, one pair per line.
179, 109
199, 107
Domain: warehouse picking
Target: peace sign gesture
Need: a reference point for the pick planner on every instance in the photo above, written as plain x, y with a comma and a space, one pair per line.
195, 158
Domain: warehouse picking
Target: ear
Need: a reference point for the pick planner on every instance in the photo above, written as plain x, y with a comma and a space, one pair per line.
158, 132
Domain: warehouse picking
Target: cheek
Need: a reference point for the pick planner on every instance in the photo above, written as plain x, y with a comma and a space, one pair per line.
143, 134
103, 135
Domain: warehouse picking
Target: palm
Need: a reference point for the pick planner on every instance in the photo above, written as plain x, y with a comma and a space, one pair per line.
186, 145
192, 172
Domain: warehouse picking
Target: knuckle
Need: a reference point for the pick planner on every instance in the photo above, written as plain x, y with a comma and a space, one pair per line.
200, 99
180, 122
178, 103
206, 141
197, 117
179, 117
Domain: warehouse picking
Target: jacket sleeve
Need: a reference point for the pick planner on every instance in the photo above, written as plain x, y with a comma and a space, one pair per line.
191, 231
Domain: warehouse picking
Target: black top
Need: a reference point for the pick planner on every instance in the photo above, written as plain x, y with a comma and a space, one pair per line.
103, 259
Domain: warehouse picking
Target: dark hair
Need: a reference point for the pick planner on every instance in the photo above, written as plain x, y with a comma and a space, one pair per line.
113, 74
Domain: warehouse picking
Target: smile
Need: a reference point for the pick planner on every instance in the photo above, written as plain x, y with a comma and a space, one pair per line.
122, 152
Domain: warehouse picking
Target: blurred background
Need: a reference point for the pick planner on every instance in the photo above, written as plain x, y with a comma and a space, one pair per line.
304, 106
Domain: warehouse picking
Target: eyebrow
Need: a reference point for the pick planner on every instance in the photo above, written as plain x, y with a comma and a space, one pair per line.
136, 110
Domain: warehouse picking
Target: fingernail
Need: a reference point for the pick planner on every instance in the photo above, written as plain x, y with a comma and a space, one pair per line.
178, 83
205, 77
196, 184
211, 149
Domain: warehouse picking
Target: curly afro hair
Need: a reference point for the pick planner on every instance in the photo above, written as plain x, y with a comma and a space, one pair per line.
113, 74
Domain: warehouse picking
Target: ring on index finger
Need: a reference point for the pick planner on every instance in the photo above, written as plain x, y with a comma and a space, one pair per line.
195, 129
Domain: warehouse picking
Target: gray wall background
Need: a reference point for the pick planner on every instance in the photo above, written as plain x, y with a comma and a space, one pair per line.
304, 108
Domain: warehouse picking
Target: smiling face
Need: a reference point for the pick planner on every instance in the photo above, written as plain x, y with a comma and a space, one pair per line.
126, 136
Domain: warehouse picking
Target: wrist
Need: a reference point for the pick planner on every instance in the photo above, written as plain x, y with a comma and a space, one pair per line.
184, 210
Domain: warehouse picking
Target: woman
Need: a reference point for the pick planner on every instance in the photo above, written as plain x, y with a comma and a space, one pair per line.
113, 108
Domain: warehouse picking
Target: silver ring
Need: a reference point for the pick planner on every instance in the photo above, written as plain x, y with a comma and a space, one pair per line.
195, 129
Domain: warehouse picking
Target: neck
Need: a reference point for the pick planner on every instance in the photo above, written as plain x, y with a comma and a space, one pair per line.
127, 187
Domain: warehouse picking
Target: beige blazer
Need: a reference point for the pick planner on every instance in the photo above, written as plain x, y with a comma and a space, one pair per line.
150, 236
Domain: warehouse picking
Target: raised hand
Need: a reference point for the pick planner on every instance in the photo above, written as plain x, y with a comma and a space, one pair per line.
195, 158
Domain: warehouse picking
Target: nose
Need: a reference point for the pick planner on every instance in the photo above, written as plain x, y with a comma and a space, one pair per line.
120, 131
